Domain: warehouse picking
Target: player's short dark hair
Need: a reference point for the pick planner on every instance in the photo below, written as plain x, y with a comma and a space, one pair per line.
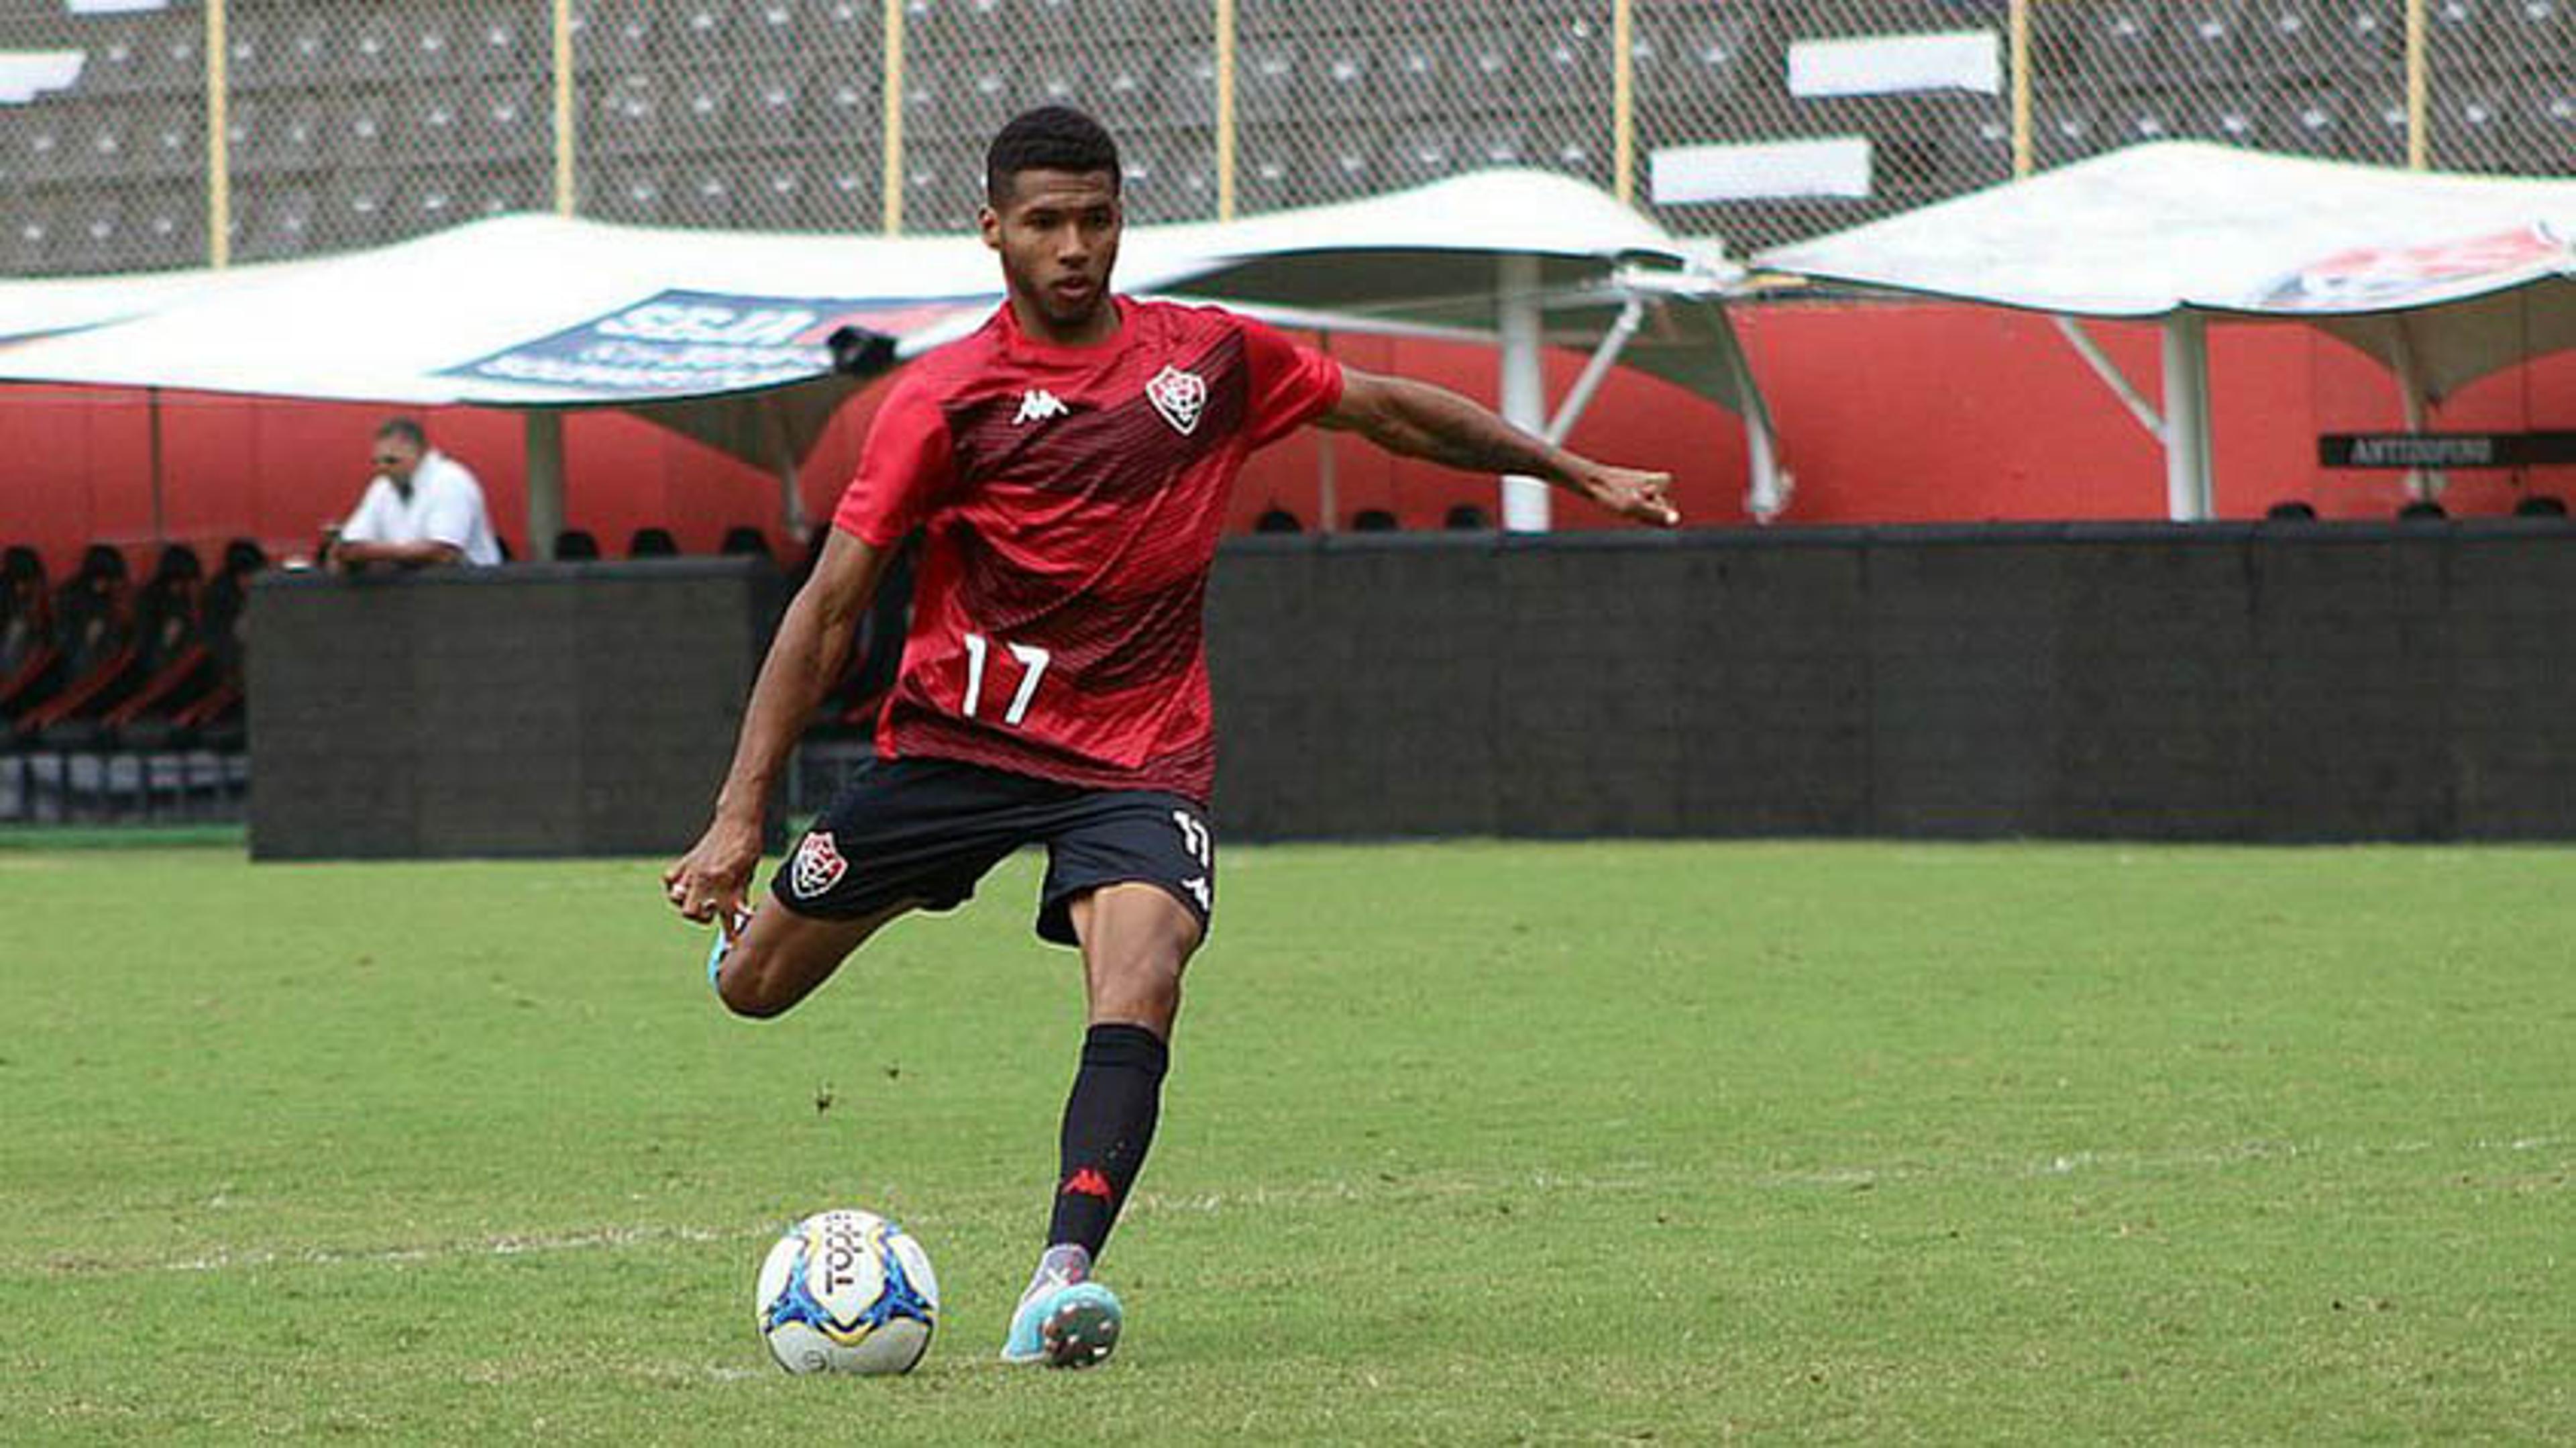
404, 429
1050, 138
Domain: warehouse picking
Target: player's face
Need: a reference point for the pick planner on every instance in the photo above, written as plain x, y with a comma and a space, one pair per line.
396, 458
1058, 237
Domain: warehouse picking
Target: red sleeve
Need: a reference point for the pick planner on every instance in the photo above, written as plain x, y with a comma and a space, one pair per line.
903, 468
1291, 383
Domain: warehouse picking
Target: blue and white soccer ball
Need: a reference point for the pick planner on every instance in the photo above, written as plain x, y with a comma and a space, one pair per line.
847, 1292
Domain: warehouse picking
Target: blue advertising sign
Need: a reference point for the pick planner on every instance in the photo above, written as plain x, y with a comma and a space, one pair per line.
684, 342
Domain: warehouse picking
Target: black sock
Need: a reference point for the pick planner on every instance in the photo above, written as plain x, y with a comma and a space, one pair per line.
1108, 1124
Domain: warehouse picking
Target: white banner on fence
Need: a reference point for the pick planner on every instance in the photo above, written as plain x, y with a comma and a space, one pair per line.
1951, 60
1757, 170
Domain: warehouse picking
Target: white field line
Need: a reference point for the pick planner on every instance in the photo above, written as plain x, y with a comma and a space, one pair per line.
505, 1246
1634, 1177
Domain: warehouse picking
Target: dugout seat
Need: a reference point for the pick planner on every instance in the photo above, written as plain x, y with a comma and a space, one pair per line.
575, 544
744, 540
26, 627
1277, 520
652, 543
2290, 510
1466, 518
1374, 520
2422, 510
213, 716
93, 641
2539, 505
177, 663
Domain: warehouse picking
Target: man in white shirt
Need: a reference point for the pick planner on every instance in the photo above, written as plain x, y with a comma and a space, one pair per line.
422, 508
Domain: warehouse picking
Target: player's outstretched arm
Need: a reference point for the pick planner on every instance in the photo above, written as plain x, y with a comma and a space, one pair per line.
813, 642
1419, 420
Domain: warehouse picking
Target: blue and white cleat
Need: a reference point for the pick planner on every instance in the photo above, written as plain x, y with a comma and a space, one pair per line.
723, 947
1064, 1320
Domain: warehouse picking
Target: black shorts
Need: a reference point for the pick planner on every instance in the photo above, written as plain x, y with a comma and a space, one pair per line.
925, 830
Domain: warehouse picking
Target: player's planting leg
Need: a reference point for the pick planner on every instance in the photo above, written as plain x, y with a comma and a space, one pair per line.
1135, 942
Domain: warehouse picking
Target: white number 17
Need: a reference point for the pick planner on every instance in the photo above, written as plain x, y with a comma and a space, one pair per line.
1033, 662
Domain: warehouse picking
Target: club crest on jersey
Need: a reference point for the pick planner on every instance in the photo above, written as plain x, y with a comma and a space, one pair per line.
818, 866
1180, 396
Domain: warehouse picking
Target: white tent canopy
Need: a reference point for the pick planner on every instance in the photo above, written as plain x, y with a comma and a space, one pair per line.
2444, 278
723, 335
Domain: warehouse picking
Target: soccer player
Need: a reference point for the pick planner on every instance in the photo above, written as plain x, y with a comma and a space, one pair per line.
1069, 465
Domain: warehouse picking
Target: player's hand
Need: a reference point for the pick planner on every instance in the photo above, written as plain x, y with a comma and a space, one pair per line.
1638, 496
708, 882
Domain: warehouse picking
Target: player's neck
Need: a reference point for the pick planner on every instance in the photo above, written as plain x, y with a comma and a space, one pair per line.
1099, 327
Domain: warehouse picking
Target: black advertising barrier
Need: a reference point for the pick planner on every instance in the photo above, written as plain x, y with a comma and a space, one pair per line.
541, 709
2274, 681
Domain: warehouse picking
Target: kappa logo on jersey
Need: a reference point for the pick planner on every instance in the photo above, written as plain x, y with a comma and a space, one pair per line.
817, 868
1037, 405
1180, 396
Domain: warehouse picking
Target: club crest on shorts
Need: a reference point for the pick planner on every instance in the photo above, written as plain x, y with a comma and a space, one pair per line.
818, 866
1180, 396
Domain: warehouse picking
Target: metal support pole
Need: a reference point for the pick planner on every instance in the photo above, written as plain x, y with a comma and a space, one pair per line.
564, 128
2418, 89
2414, 398
219, 164
2019, 51
1767, 484
2187, 459
893, 124
152, 420
1225, 110
1623, 100
1570, 411
2109, 371
545, 482
1524, 383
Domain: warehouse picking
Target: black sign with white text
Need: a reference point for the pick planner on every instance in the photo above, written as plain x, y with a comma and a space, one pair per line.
2445, 449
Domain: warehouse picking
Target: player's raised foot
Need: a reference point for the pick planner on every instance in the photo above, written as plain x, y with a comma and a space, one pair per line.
1064, 1320
723, 947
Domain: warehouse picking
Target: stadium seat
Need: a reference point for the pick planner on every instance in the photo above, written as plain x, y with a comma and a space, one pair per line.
2290, 510
2539, 505
2422, 510
1374, 520
574, 545
1277, 520
652, 543
746, 540
142, 51
1466, 518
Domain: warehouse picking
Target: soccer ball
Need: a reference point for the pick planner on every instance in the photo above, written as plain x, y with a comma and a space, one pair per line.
847, 1292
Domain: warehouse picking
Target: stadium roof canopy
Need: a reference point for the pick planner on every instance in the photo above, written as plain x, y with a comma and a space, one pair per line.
2442, 277
733, 337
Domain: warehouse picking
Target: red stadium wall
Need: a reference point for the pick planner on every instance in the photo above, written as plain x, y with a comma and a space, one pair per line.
1887, 413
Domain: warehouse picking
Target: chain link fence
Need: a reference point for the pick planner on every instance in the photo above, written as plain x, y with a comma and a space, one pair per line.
127, 143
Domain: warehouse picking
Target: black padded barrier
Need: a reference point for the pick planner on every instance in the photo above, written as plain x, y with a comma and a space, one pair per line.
544, 709
2271, 681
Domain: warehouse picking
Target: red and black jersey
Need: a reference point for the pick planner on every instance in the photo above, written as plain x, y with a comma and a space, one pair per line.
1071, 500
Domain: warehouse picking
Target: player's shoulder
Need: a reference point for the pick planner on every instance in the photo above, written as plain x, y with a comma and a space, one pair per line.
946, 369
1186, 319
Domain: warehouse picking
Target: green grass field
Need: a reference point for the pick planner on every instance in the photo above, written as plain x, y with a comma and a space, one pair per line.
1478, 1142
